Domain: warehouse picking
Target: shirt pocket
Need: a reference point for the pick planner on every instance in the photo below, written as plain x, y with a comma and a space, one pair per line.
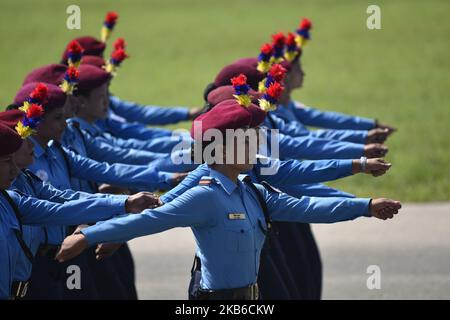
239, 236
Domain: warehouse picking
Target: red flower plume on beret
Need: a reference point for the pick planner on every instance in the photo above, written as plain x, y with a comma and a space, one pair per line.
305, 24
110, 19
120, 43
239, 80
275, 90
277, 72
267, 49
72, 74
290, 40
74, 47
278, 39
39, 93
118, 55
35, 111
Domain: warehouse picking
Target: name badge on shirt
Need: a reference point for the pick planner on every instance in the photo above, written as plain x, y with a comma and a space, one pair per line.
236, 216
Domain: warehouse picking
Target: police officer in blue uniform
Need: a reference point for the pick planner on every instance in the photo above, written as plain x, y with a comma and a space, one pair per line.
81, 142
18, 209
296, 147
293, 144
231, 230
26, 182
128, 120
65, 170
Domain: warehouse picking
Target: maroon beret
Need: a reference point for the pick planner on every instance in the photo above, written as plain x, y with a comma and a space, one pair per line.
93, 61
50, 73
10, 141
90, 45
234, 69
250, 61
226, 92
10, 118
228, 114
91, 77
56, 98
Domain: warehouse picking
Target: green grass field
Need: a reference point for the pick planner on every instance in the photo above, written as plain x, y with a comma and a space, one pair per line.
399, 74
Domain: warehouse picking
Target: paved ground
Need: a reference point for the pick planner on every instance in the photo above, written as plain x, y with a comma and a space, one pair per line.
412, 253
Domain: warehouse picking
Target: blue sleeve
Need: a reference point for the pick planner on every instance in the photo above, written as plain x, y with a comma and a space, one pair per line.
288, 128
46, 191
5, 269
356, 136
283, 207
44, 213
188, 210
315, 148
331, 120
127, 130
146, 114
314, 190
293, 172
160, 144
105, 152
189, 182
129, 176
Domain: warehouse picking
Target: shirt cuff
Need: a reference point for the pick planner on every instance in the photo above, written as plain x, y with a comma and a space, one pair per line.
367, 124
91, 235
362, 206
346, 166
119, 200
165, 179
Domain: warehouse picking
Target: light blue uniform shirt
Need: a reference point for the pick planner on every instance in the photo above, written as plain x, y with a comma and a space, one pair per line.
128, 130
146, 114
39, 213
300, 177
82, 143
35, 235
314, 148
158, 144
297, 129
79, 173
227, 230
296, 111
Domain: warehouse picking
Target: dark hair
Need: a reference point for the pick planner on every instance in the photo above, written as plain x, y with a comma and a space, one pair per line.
12, 106
210, 87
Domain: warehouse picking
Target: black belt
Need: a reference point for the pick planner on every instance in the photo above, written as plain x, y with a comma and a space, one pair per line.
48, 250
245, 293
19, 289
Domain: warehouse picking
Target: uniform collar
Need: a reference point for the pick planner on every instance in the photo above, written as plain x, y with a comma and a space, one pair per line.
84, 125
38, 150
228, 185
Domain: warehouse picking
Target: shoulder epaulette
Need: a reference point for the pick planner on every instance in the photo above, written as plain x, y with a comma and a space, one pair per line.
206, 181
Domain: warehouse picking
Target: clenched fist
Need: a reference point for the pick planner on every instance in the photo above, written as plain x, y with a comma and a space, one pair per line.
377, 135
375, 150
71, 247
376, 167
384, 208
141, 201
